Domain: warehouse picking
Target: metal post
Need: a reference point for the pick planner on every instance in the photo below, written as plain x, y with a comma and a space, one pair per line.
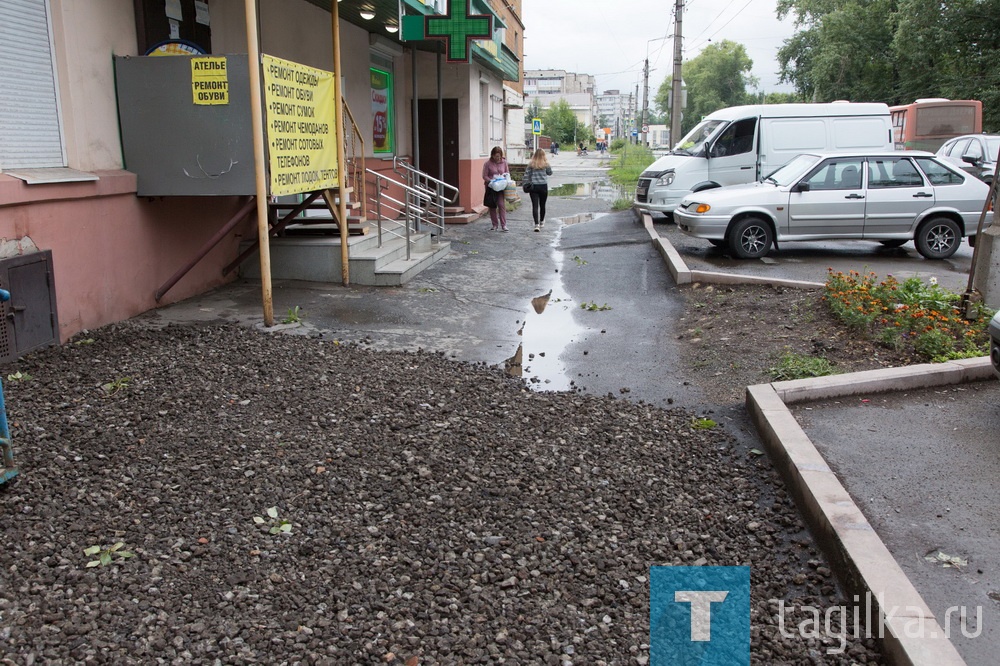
416, 135
645, 97
440, 101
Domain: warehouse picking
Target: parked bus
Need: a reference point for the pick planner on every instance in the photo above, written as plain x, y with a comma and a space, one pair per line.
928, 123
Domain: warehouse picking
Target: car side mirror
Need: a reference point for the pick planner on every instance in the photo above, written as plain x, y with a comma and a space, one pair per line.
971, 159
802, 186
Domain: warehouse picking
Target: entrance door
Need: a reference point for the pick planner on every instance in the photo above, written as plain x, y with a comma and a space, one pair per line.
430, 144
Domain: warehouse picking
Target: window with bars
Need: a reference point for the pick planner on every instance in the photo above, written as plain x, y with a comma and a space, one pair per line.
496, 119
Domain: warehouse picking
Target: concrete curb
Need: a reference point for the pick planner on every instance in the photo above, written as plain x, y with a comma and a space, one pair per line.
909, 633
684, 275
864, 565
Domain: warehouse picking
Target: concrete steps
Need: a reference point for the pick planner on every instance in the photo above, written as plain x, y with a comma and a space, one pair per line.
457, 214
318, 258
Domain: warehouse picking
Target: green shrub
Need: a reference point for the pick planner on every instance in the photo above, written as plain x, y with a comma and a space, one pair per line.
912, 314
800, 366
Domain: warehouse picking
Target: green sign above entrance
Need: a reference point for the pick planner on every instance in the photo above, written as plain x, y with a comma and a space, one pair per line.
458, 28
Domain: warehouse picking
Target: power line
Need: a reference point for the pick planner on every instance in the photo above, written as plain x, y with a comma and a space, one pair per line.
709, 38
718, 16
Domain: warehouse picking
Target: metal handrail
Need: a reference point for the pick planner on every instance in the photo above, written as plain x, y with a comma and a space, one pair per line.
416, 208
356, 158
424, 181
398, 162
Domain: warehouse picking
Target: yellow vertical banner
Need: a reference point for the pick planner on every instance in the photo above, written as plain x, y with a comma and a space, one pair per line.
209, 81
301, 127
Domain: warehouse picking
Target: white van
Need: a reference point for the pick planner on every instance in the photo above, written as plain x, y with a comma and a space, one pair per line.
743, 144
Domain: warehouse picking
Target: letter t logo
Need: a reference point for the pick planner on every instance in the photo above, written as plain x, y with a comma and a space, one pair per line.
699, 615
701, 610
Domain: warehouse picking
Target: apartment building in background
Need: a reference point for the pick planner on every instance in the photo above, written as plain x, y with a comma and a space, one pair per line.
545, 87
617, 111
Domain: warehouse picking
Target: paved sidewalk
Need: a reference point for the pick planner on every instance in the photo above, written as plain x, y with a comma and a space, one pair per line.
916, 450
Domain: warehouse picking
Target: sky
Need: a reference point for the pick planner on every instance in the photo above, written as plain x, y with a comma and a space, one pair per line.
610, 40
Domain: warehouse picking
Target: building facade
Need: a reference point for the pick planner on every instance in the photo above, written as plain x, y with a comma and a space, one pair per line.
616, 111
544, 87
64, 184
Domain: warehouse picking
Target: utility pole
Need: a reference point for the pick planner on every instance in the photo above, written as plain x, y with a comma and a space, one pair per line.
645, 99
635, 114
675, 87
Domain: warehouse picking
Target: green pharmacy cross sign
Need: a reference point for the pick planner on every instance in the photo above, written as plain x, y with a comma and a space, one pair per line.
457, 28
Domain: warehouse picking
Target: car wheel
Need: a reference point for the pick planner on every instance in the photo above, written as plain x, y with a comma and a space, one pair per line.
893, 242
938, 238
750, 238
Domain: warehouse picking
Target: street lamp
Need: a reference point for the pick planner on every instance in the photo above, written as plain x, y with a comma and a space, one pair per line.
644, 119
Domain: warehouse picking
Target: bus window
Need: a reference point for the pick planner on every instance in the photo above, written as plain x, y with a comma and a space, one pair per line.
927, 124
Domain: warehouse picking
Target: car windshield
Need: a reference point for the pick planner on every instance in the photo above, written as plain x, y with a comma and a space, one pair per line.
993, 147
788, 174
694, 141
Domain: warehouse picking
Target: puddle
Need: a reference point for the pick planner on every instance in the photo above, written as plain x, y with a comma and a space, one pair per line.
548, 329
601, 189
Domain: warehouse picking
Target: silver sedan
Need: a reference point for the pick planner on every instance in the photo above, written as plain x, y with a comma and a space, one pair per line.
890, 197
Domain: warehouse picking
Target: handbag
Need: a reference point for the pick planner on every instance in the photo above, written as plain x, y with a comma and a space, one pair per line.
490, 198
526, 186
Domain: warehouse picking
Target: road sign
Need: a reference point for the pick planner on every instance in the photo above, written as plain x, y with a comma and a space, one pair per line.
536, 126
645, 129
635, 132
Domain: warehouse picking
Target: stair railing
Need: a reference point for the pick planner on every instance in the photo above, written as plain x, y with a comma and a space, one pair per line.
417, 208
354, 153
442, 192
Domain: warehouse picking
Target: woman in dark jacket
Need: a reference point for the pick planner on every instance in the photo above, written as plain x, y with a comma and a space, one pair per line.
496, 166
537, 174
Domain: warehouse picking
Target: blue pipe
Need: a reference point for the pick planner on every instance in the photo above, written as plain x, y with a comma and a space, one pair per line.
7, 469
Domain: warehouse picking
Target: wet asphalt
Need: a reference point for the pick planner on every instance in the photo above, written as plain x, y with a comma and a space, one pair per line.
922, 465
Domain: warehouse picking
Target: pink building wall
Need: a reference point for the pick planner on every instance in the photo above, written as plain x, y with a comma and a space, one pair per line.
112, 250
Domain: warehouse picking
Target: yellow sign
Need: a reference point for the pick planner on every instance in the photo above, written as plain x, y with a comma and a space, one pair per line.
209, 81
301, 130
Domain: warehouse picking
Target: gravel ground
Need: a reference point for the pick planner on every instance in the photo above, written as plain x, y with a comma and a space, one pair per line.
440, 512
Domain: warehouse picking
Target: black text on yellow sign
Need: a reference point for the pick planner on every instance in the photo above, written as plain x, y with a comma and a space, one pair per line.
209, 81
301, 127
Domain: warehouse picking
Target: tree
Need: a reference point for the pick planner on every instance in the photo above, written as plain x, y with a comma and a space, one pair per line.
844, 50
561, 123
949, 50
716, 78
894, 51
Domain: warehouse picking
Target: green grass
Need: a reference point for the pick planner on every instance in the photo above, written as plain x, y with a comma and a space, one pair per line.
799, 366
628, 163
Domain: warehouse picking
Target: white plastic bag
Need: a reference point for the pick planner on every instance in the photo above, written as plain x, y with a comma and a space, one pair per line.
499, 184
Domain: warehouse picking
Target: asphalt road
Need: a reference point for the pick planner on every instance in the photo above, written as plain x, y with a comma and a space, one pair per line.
923, 467
810, 260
